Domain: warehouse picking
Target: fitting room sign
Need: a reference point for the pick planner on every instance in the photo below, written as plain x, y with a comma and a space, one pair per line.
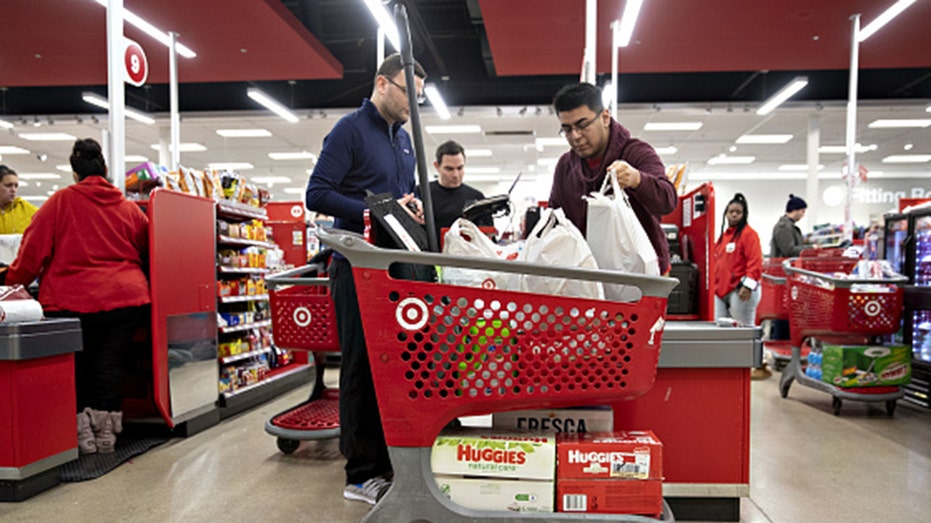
137, 67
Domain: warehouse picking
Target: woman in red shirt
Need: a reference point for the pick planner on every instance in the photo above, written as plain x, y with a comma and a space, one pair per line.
738, 265
88, 245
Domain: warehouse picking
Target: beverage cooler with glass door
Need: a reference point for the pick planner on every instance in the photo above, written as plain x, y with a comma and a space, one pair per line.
907, 245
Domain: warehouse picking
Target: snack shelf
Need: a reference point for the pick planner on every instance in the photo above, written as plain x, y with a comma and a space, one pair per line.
245, 326
229, 240
242, 299
225, 360
236, 210
272, 377
241, 270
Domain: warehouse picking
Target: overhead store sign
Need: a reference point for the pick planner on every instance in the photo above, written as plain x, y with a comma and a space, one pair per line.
137, 67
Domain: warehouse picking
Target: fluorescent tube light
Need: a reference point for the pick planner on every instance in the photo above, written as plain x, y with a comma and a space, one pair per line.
272, 105
294, 190
66, 167
907, 158
35, 198
384, 21
47, 137
153, 31
5, 124
453, 129
764, 138
100, 101
547, 162
666, 150
303, 155
628, 21
244, 133
183, 147
39, 176
842, 149
270, 179
135, 158
731, 160
540, 143
230, 166
478, 153
437, 101
672, 126
883, 19
12, 149
483, 170
784, 94
796, 167
901, 123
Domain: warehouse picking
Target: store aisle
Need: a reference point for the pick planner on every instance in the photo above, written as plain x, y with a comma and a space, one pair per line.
807, 466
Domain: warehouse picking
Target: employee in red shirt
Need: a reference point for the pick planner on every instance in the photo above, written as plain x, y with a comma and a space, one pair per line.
738, 266
88, 246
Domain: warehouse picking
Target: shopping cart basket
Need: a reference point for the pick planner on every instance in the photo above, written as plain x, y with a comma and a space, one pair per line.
303, 318
841, 310
772, 307
440, 351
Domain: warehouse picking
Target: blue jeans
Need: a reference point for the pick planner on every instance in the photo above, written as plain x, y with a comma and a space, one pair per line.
730, 306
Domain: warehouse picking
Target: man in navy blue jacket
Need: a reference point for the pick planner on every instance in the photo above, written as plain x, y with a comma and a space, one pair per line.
367, 150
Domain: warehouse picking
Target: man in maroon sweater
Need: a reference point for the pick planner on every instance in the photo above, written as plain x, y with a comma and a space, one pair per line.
599, 145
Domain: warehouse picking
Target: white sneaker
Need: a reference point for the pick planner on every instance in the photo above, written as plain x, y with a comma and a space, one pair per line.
370, 492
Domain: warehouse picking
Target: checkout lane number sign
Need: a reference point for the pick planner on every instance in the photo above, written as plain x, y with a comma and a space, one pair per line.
137, 67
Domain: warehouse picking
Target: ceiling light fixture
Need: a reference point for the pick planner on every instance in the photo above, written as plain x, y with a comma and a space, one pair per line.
270, 180
100, 101
628, 21
39, 176
883, 19
303, 155
484, 170
672, 126
900, 123
478, 153
437, 101
731, 160
12, 149
183, 147
784, 94
384, 20
47, 137
230, 166
271, 104
453, 129
244, 133
294, 190
907, 158
135, 158
152, 31
672, 149
842, 149
764, 138
796, 167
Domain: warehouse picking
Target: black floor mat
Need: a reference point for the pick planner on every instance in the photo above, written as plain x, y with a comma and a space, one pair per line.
91, 466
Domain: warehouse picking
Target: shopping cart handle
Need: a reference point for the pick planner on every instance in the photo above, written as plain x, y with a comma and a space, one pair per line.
778, 280
363, 254
293, 277
841, 282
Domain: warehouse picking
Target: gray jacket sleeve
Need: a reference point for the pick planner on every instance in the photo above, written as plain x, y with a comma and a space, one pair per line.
787, 240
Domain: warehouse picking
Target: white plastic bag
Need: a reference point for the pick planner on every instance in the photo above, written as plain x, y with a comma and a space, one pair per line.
556, 241
464, 238
618, 240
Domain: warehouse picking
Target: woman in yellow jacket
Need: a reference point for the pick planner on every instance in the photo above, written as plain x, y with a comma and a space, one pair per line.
15, 212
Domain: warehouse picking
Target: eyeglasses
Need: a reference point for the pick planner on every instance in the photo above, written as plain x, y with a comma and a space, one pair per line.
420, 96
565, 130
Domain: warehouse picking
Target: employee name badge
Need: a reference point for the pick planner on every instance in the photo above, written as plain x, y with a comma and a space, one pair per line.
730, 247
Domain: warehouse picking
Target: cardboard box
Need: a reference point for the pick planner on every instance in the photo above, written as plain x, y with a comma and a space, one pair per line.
582, 419
866, 366
499, 454
609, 455
498, 494
610, 496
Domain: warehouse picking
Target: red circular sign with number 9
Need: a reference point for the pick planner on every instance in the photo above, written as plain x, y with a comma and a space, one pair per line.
137, 67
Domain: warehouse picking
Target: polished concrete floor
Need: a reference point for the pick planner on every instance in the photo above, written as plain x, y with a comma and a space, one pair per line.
807, 465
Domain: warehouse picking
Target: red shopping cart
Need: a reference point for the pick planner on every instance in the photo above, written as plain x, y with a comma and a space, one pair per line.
441, 351
772, 307
824, 307
303, 318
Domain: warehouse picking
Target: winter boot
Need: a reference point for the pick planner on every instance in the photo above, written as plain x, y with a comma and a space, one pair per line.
86, 443
104, 434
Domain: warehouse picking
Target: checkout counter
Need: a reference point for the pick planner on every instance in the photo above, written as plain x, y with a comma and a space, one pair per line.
38, 425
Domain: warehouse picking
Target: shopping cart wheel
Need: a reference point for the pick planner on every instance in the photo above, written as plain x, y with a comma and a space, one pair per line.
288, 446
837, 405
890, 407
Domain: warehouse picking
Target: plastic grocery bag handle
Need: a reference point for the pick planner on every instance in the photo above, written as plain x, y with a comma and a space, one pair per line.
363, 254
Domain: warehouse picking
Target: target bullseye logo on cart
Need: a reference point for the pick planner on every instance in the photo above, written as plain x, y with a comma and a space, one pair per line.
137, 67
488, 284
302, 316
872, 308
411, 313
794, 293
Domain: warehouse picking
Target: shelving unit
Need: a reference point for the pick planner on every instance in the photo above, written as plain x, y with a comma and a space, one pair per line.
251, 369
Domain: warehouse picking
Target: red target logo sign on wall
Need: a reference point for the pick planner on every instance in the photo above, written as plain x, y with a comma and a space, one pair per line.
137, 67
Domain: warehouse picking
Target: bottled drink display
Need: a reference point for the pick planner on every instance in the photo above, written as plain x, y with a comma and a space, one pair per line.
921, 324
